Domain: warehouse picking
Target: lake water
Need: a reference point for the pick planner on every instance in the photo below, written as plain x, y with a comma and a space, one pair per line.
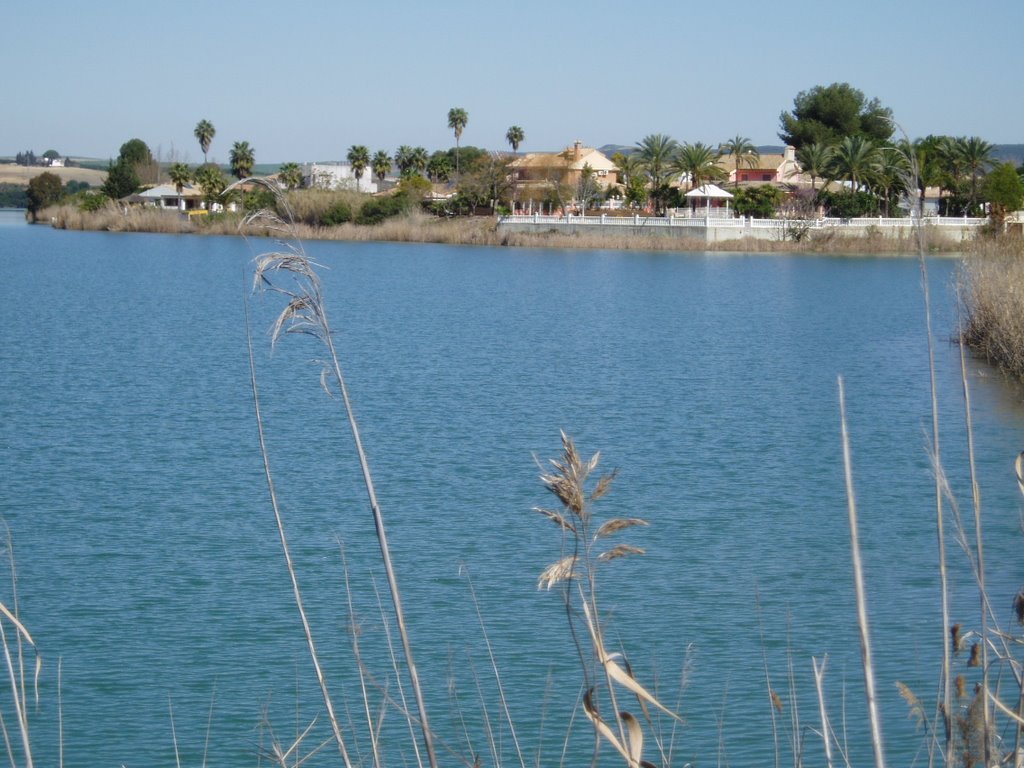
149, 567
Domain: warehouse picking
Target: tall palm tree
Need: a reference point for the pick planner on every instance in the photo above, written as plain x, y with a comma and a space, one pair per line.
974, 157
403, 159
515, 136
656, 151
743, 152
290, 175
419, 159
924, 165
457, 120
359, 158
204, 134
855, 159
381, 164
699, 162
180, 175
815, 160
242, 158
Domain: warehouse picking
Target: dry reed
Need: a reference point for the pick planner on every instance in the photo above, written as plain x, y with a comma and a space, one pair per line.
992, 292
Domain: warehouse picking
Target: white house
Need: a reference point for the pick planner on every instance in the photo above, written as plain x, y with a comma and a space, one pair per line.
337, 176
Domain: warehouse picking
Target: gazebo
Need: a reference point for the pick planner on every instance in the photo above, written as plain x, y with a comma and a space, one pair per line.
709, 192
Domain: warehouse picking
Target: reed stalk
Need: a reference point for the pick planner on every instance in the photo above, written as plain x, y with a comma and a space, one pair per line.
819, 676
289, 563
861, 593
306, 313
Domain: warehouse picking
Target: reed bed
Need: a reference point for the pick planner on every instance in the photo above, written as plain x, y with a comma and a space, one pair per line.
992, 293
419, 227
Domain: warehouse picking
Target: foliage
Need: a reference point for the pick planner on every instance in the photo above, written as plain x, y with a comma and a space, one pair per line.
90, 202
51, 154
458, 118
415, 187
381, 164
759, 202
515, 136
855, 160
339, 213
359, 158
259, 199
698, 163
377, 209
121, 181
211, 181
26, 158
43, 190
847, 204
242, 158
13, 196
411, 160
290, 175
656, 152
743, 152
1003, 190
204, 133
815, 160
180, 175
136, 153
827, 114
439, 167
588, 191
486, 182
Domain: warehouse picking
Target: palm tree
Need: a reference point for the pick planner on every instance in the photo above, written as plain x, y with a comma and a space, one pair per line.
743, 152
381, 164
815, 160
439, 167
290, 175
403, 159
180, 175
457, 120
855, 159
656, 151
359, 158
699, 162
515, 136
204, 134
974, 157
418, 160
242, 159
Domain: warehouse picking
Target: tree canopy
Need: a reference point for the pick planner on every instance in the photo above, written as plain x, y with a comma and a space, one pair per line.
827, 114
43, 190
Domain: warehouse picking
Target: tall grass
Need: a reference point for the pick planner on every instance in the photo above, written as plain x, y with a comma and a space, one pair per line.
992, 292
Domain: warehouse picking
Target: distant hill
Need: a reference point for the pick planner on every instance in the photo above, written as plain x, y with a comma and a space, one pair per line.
1010, 153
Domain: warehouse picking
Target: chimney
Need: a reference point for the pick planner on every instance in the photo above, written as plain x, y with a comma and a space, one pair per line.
577, 152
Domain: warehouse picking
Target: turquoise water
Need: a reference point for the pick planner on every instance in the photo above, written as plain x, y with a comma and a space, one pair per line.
148, 562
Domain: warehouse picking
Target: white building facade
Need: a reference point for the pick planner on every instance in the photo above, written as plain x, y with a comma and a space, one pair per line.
337, 176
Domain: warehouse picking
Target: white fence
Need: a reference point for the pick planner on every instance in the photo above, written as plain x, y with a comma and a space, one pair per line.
715, 222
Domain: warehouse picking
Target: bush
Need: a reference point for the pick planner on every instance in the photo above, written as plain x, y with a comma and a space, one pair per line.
378, 209
848, 204
339, 213
759, 202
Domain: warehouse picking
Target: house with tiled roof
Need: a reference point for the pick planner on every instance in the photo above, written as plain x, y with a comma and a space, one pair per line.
546, 169
764, 169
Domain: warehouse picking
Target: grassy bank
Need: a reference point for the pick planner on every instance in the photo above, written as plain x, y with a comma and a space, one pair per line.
992, 291
415, 227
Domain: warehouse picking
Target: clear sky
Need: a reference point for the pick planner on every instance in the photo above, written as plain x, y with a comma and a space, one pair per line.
303, 80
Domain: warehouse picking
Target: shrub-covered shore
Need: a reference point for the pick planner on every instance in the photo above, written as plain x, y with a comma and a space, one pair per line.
334, 216
992, 291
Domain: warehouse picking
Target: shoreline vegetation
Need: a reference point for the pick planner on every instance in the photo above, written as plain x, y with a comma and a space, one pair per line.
417, 227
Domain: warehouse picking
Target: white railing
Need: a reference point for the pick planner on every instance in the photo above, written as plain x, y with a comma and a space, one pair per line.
735, 223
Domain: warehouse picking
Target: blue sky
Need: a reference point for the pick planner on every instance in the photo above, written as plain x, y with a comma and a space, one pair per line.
306, 79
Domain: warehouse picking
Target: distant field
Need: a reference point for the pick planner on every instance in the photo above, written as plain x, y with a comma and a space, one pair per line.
19, 174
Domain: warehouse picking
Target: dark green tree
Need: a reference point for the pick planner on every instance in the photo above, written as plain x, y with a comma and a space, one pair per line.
698, 162
759, 202
827, 114
359, 158
290, 175
515, 136
458, 118
43, 190
122, 180
381, 164
204, 134
814, 160
403, 159
242, 158
855, 160
180, 175
439, 167
211, 180
1004, 191
656, 152
136, 153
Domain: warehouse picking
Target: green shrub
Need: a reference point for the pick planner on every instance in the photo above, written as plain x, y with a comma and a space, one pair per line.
848, 204
378, 209
339, 213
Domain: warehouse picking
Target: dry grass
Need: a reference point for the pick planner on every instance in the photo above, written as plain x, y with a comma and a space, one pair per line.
20, 174
992, 291
417, 227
